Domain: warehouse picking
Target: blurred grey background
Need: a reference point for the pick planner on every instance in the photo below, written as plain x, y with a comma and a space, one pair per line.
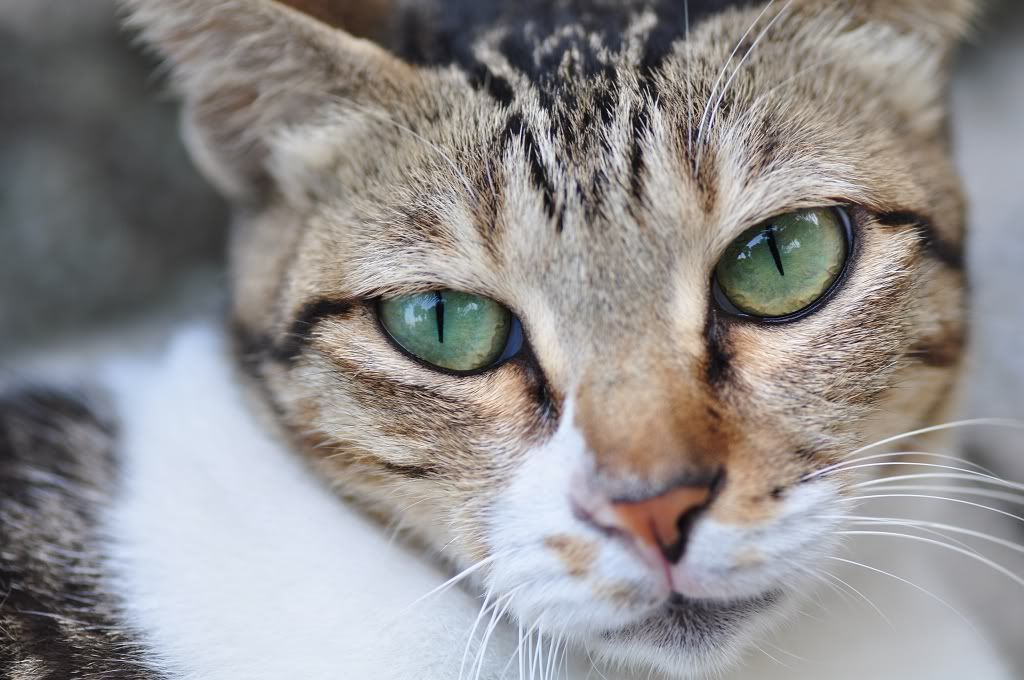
101, 213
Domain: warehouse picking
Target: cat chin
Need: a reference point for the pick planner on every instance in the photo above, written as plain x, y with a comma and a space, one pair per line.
693, 638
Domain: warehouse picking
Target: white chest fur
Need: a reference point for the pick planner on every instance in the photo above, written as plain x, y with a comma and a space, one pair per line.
237, 564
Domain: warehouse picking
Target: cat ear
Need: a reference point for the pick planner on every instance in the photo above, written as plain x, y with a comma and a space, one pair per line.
905, 46
941, 23
249, 70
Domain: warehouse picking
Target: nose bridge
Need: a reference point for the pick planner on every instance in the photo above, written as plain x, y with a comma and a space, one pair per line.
643, 419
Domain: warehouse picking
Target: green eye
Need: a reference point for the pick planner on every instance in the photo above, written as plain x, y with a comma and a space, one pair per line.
454, 331
784, 266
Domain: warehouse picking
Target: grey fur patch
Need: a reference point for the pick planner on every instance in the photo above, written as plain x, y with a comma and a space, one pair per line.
59, 619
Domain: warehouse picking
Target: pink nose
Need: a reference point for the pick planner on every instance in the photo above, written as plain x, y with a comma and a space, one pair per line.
664, 521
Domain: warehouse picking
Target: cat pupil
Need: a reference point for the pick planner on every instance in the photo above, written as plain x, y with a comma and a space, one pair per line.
774, 247
439, 315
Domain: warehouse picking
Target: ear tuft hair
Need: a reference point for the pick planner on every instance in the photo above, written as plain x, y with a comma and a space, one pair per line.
249, 69
943, 23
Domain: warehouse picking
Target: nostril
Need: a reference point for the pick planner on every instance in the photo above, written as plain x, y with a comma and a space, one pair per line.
673, 553
665, 521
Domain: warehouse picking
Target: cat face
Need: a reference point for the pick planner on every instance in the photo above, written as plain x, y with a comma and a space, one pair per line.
625, 426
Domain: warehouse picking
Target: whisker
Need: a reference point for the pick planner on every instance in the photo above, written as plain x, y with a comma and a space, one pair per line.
1005, 496
455, 579
496, 618
721, 75
472, 632
786, 652
819, 575
864, 597
549, 669
939, 526
936, 498
909, 583
538, 652
739, 67
881, 456
975, 422
760, 649
969, 553
907, 524
593, 664
516, 653
974, 477
519, 652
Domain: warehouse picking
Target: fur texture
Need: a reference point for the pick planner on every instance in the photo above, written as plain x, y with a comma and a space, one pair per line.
222, 557
587, 173
586, 167
59, 614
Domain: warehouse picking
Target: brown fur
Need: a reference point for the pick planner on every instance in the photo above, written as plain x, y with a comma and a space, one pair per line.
596, 209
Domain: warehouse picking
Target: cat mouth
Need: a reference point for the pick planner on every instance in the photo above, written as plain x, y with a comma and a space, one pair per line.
685, 622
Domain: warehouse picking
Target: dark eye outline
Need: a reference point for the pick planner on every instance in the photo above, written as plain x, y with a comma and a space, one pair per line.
515, 345
725, 305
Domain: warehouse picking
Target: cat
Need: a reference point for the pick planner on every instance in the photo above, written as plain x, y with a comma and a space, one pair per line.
597, 303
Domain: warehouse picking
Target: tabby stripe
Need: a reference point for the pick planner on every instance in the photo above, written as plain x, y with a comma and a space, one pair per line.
718, 364
409, 471
253, 347
299, 333
482, 79
516, 128
948, 254
641, 124
59, 616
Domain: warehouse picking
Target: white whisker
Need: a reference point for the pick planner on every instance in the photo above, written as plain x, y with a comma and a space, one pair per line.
593, 665
939, 527
864, 597
1005, 496
845, 465
538, 653
760, 649
455, 579
909, 524
739, 67
936, 498
976, 422
549, 669
909, 583
961, 476
519, 653
496, 618
968, 553
721, 75
784, 651
472, 632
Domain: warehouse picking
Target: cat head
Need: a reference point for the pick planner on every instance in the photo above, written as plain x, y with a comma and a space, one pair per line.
592, 299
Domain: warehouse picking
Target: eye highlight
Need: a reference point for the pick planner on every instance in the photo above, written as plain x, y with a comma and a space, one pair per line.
453, 331
782, 268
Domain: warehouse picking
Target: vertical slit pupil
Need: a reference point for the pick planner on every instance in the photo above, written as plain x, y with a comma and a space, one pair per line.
773, 245
439, 315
